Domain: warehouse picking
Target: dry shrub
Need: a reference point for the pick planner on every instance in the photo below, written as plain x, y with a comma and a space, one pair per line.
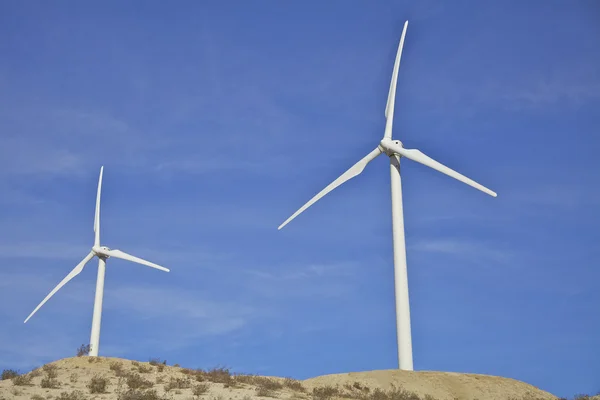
267, 383
294, 385
83, 350
357, 388
37, 397
157, 362
22, 380
73, 378
74, 395
187, 371
133, 394
160, 379
378, 394
401, 394
35, 373
363, 393
200, 389
50, 383
144, 369
264, 392
325, 392
117, 367
160, 365
218, 375
297, 396
135, 381
51, 370
244, 379
9, 374
98, 384
178, 383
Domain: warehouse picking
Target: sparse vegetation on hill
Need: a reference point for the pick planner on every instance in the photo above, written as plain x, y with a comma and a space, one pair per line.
99, 378
83, 350
9, 374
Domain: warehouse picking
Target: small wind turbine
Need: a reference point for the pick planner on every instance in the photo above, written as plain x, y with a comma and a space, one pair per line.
394, 150
103, 253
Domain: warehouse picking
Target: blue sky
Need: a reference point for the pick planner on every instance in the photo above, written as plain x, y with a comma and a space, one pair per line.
216, 121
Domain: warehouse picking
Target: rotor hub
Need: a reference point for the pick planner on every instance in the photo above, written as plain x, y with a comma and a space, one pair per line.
386, 146
101, 251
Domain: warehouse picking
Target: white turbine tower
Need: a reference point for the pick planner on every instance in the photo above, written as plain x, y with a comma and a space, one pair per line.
395, 150
103, 253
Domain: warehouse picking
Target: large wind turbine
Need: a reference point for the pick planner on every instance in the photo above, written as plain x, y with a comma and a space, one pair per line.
395, 150
103, 253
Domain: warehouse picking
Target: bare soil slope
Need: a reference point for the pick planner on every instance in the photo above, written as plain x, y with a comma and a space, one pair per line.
83, 378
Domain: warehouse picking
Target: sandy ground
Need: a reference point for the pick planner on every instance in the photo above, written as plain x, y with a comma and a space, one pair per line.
439, 385
74, 374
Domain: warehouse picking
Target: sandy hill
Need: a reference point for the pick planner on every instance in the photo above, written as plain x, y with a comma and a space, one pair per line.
83, 378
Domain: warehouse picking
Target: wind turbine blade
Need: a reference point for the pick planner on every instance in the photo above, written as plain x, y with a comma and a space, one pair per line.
419, 157
355, 170
97, 214
124, 256
67, 278
389, 107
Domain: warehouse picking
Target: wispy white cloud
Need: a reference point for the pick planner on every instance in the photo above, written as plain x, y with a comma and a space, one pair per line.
47, 250
562, 195
49, 141
314, 281
171, 317
12, 195
571, 85
307, 272
25, 352
477, 251
68, 251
